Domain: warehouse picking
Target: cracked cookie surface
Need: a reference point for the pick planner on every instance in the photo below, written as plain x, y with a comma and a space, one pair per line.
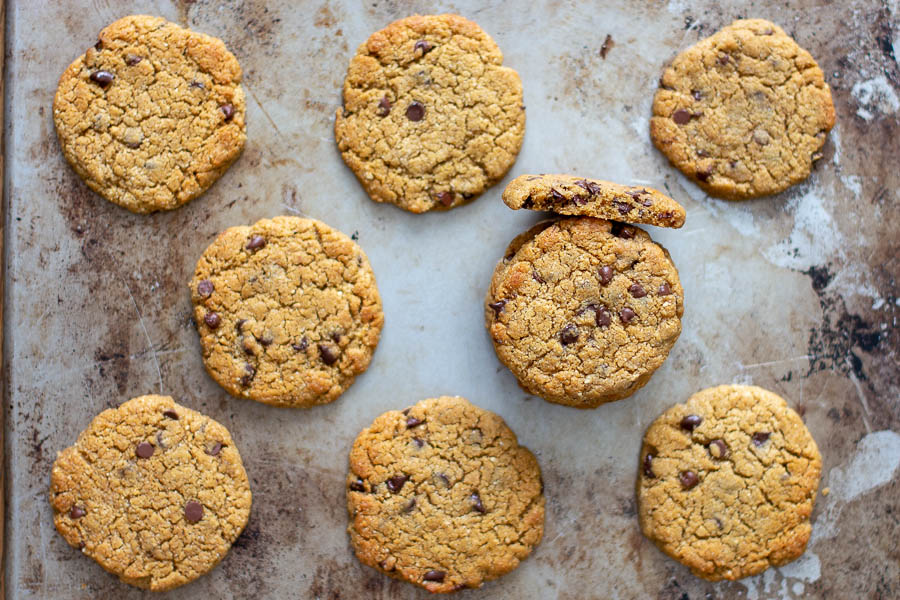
152, 115
744, 113
287, 310
727, 482
443, 496
431, 118
583, 310
154, 492
573, 195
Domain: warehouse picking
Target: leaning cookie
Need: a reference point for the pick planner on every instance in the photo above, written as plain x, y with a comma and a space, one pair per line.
583, 311
431, 117
727, 482
154, 492
152, 115
573, 195
287, 310
744, 113
443, 496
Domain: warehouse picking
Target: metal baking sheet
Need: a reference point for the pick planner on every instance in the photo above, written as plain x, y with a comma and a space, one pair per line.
797, 293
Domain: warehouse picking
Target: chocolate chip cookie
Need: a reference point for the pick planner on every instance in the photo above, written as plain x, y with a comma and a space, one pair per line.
743, 113
573, 195
154, 492
443, 496
152, 114
584, 310
431, 117
727, 482
287, 310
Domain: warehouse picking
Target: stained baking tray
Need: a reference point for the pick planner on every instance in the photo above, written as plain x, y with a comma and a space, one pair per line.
797, 293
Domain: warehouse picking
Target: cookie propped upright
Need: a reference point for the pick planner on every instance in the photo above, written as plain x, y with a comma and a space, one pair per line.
573, 195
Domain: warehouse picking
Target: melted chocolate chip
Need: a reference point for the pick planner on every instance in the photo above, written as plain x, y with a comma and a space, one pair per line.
723, 59
623, 231
265, 341
197, 85
413, 422
589, 186
102, 78
395, 483
132, 59
171, 414
623, 207
497, 307
568, 334
76, 512
424, 46
602, 316
537, 277
98, 45
212, 320
718, 449
384, 107
648, 465
637, 290
193, 511
228, 111
688, 479
410, 505
606, 274
697, 94
477, 504
302, 345
255, 242
761, 437
626, 315
557, 197
249, 372
445, 198
328, 354
443, 478
419, 442
357, 486
691, 422
205, 288
704, 174
145, 450
681, 116
664, 290
415, 111
214, 449
437, 576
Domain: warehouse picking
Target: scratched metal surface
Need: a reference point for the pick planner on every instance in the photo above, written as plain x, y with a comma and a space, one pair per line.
797, 293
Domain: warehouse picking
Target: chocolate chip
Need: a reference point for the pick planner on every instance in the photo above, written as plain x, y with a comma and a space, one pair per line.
537, 277
424, 46
477, 504
413, 422
410, 505
648, 465
336, 335
265, 341
691, 422
688, 479
437, 576
681, 116
443, 478
589, 186
623, 207
623, 231
255, 242
132, 59
102, 78
626, 314
664, 290
723, 59
395, 483
697, 94
205, 288
704, 174
197, 85
497, 307
419, 442
170, 414
215, 449
145, 450
445, 198
76, 512
357, 486
760, 438
302, 345
602, 317
239, 324
568, 334
606, 274
328, 354
415, 111
637, 290
212, 320
193, 511
384, 107
98, 45
249, 372
718, 449
228, 111
557, 197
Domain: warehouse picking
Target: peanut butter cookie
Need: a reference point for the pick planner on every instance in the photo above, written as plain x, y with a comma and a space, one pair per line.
443, 496
431, 118
152, 115
727, 482
743, 113
154, 492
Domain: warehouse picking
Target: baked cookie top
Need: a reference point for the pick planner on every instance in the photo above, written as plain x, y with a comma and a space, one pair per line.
583, 311
744, 113
443, 496
154, 492
287, 310
152, 114
573, 195
431, 117
727, 482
